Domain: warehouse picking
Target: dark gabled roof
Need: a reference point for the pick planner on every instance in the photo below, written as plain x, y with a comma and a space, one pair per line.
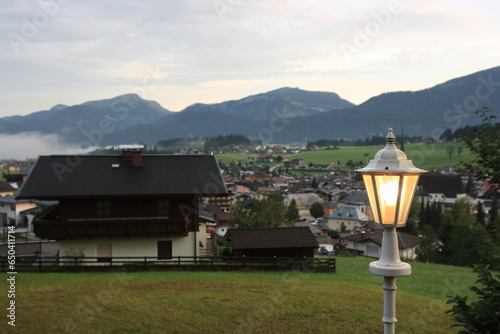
60, 176
6, 187
449, 185
11, 200
345, 212
356, 198
280, 237
405, 240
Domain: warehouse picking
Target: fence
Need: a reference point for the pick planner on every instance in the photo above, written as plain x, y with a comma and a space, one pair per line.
29, 247
227, 263
22, 236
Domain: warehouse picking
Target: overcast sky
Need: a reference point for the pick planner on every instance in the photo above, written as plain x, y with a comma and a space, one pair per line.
182, 52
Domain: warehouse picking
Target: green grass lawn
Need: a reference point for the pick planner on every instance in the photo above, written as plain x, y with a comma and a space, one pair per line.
423, 155
349, 301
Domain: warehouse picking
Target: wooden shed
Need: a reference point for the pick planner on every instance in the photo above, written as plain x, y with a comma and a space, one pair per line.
269, 242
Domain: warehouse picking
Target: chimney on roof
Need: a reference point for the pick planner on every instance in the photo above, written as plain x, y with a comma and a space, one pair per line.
133, 153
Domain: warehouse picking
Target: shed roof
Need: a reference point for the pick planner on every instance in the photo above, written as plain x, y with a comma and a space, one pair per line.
280, 237
66, 176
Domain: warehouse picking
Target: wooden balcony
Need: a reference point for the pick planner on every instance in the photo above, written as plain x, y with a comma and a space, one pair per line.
45, 227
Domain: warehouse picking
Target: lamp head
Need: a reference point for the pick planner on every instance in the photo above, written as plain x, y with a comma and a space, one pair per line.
390, 180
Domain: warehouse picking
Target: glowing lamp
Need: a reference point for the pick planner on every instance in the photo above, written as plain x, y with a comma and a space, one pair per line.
390, 180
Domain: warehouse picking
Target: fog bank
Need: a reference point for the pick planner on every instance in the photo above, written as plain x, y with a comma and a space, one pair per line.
31, 145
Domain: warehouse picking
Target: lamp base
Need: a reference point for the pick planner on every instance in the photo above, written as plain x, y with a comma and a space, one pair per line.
395, 270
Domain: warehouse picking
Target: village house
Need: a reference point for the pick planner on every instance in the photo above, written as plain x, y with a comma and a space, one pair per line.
369, 243
265, 158
16, 212
295, 163
303, 201
359, 200
18, 177
7, 189
124, 205
348, 217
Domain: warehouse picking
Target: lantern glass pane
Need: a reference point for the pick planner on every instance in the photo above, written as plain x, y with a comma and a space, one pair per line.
367, 178
407, 192
387, 187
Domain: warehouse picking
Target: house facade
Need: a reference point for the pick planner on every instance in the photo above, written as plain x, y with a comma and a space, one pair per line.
6, 189
369, 243
124, 205
349, 217
11, 211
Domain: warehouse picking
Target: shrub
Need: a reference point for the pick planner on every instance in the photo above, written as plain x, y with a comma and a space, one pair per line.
482, 316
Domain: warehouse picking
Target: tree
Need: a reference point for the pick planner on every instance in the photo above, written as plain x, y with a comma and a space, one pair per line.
411, 225
470, 188
484, 146
459, 228
493, 224
366, 156
292, 212
493, 214
480, 216
428, 247
481, 316
450, 150
317, 210
344, 194
265, 211
314, 184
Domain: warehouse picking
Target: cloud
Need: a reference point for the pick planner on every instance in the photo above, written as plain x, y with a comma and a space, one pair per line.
31, 145
89, 49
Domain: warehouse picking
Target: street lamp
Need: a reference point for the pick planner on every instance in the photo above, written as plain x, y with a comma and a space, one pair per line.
390, 180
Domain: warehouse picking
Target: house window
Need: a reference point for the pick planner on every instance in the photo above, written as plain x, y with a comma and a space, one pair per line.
103, 209
164, 249
12, 207
164, 208
103, 252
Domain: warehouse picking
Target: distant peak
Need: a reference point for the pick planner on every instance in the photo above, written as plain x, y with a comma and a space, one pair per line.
129, 95
58, 107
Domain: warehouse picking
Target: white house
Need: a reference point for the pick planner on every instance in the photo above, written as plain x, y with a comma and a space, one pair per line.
348, 216
368, 243
124, 205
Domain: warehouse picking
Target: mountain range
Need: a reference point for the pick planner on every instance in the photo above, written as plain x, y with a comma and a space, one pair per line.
285, 115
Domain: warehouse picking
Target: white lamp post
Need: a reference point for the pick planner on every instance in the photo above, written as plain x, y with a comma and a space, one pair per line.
390, 180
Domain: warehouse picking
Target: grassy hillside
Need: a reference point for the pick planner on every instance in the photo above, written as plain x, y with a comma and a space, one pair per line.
349, 301
423, 155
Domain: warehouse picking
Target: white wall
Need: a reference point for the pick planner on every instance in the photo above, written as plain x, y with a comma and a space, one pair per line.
144, 246
15, 214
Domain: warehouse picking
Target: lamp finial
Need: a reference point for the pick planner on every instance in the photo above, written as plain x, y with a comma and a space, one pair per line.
390, 137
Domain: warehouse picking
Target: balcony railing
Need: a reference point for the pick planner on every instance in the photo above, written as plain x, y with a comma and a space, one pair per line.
51, 227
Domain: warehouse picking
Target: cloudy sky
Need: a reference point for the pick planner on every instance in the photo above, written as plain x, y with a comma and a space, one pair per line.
182, 52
